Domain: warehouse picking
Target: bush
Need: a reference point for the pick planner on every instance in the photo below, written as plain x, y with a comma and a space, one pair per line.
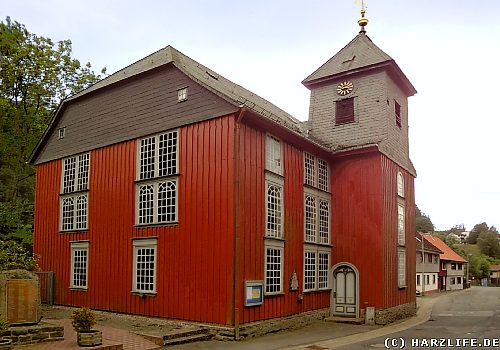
3, 324
14, 256
83, 319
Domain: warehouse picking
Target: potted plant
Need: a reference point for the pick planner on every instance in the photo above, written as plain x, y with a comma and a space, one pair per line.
5, 343
82, 321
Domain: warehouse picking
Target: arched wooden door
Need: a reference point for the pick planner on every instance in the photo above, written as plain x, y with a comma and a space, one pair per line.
345, 291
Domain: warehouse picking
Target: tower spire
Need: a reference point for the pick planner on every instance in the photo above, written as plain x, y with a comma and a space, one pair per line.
363, 21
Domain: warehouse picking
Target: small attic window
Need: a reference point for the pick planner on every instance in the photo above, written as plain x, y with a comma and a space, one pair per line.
397, 113
182, 94
61, 132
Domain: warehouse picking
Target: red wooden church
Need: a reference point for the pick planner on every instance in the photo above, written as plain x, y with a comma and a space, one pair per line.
167, 190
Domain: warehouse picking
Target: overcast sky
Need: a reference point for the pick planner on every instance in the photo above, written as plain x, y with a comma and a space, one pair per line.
449, 49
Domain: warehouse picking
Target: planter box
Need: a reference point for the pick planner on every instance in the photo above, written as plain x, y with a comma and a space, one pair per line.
91, 338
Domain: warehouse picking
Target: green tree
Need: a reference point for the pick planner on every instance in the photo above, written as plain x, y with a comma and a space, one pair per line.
15, 256
489, 244
474, 234
35, 75
422, 222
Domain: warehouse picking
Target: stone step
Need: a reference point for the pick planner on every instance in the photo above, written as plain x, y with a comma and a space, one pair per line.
348, 320
187, 339
183, 333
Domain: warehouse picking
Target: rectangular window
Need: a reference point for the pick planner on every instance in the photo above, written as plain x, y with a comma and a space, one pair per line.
452, 280
79, 265
309, 170
402, 267
459, 280
274, 207
182, 94
316, 172
157, 202
397, 113
459, 266
316, 218
453, 266
273, 155
433, 279
144, 269
316, 268
273, 267
418, 280
427, 279
158, 156
344, 111
76, 173
309, 271
429, 258
401, 223
61, 132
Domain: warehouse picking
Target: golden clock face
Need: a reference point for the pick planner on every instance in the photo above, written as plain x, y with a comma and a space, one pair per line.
344, 88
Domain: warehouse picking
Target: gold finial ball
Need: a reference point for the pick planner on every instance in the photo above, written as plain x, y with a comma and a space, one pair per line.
363, 22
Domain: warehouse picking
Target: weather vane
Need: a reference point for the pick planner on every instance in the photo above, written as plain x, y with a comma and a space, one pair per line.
362, 21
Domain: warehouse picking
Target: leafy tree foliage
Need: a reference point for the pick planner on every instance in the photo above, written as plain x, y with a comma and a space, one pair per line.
35, 75
422, 222
14, 256
474, 234
489, 244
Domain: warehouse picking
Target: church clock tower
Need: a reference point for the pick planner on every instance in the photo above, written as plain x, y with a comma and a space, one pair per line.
359, 109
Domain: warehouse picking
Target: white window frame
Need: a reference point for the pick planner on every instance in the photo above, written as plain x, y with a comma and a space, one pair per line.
401, 223
155, 185
182, 94
274, 155
316, 172
61, 132
138, 244
276, 245
78, 171
401, 267
319, 198
156, 160
76, 224
400, 185
279, 183
79, 246
317, 251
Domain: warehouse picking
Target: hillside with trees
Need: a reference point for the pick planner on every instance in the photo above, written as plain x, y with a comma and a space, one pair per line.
36, 73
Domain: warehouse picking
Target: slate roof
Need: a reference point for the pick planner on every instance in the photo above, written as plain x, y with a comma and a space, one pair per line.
448, 253
213, 81
427, 245
360, 54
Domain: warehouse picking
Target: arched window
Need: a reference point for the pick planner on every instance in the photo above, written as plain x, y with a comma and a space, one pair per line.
401, 184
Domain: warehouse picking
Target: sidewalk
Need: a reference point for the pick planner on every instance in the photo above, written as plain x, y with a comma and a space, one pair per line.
321, 335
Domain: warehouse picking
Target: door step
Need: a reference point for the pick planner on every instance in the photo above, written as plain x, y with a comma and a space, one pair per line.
348, 320
177, 337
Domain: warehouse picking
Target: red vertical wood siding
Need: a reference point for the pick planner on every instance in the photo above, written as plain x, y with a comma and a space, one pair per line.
357, 211
195, 257
252, 227
393, 295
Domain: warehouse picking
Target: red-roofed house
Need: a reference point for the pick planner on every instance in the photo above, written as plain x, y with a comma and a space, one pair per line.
452, 273
428, 267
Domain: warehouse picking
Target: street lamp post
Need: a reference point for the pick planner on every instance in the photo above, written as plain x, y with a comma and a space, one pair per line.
423, 265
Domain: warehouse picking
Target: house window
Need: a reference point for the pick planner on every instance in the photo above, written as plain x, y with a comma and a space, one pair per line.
316, 172
452, 280
459, 280
273, 267
401, 224
427, 279
273, 155
433, 279
144, 269
459, 266
418, 280
429, 258
79, 265
453, 266
74, 199
316, 268
316, 218
157, 200
76, 173
182, 94
397, 113
401, 184
61, 132
401, 267
274, 207
344, 111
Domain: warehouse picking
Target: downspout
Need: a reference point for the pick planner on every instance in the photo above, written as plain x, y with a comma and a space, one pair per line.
236, 257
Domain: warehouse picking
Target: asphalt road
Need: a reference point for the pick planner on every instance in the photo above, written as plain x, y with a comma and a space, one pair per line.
468, 319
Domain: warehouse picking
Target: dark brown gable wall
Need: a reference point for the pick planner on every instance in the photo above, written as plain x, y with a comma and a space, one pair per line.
130, 109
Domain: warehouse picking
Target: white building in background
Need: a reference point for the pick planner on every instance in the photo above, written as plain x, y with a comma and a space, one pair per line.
427, 265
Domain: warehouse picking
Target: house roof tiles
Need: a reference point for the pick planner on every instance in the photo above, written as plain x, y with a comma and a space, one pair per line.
448, 253
427, 245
